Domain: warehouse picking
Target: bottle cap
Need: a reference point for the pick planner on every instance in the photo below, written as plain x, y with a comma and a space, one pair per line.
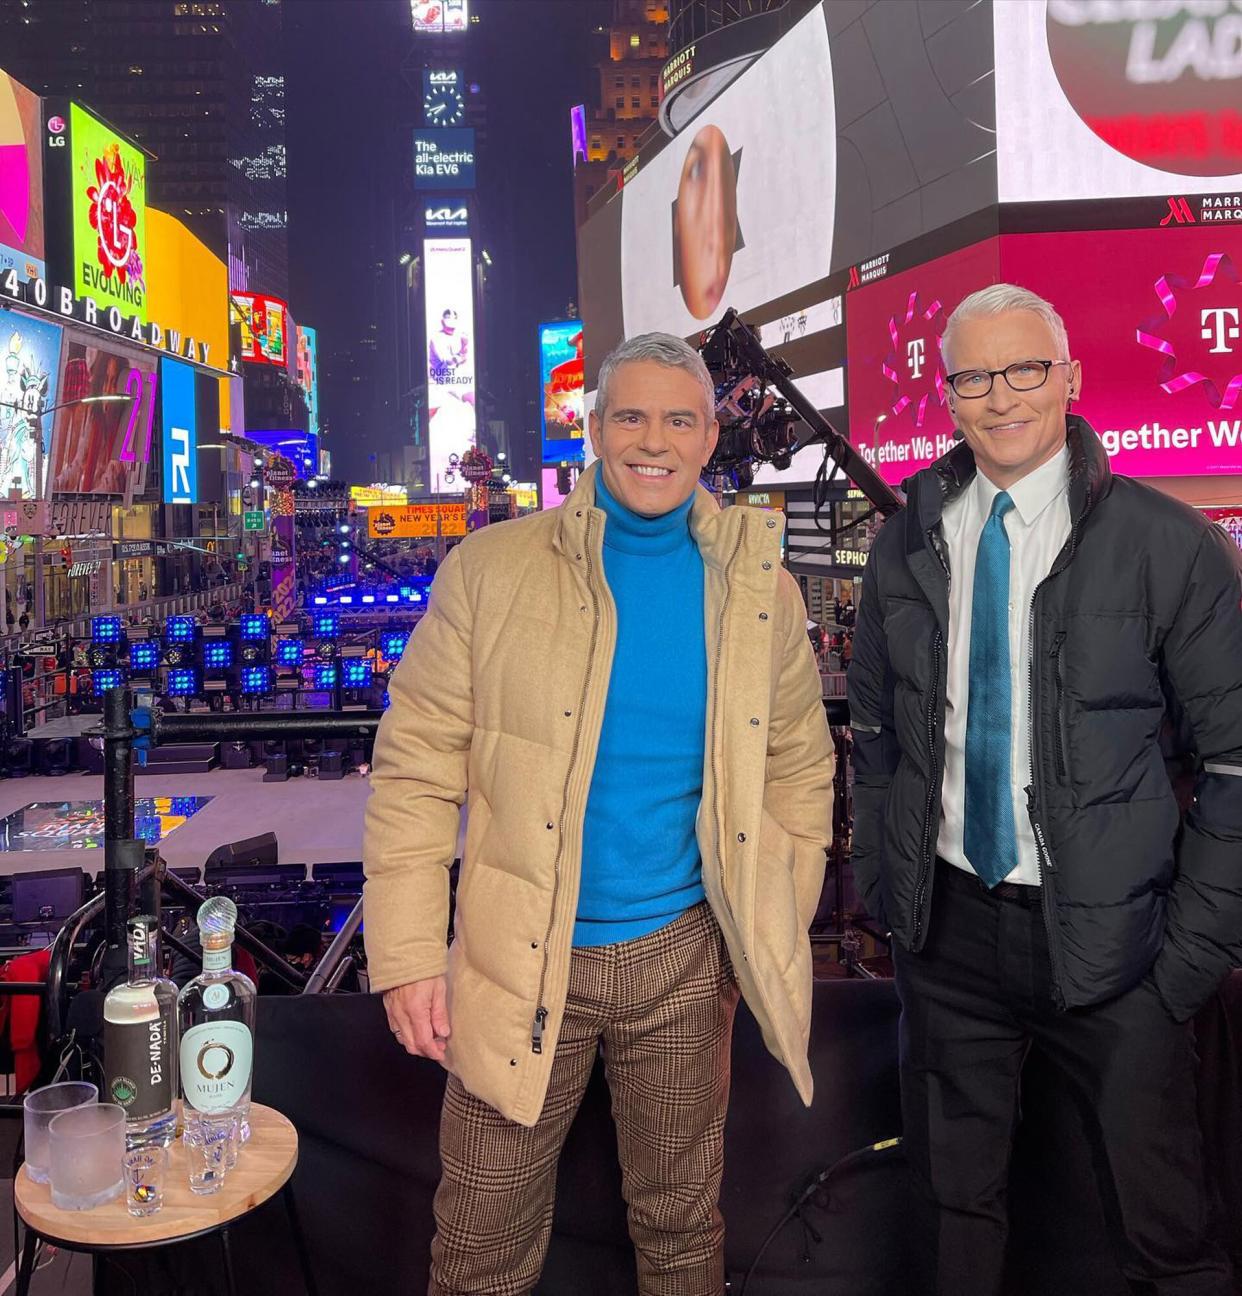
217, 919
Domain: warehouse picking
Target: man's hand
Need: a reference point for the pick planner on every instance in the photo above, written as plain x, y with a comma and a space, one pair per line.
418, 1017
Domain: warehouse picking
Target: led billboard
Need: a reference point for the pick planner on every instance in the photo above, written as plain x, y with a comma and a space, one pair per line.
448, 276
1096, 99
307, 367
444, 159
1154, 316
563, 390
21, 181
188, 293
109, 216
103, 448
436, 17
179, 433
264, 324
29, 373
416, 521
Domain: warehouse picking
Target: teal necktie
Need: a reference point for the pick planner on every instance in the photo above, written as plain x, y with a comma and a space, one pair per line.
990, 837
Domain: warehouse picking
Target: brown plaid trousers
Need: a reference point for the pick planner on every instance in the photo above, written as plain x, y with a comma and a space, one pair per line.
663, 1008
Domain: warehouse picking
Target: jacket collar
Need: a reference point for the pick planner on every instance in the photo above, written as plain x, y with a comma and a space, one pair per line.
1090, 477
715, 530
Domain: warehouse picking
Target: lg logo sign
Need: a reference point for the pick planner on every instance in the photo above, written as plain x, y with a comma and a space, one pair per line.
179, 490
1220, 327
915, 352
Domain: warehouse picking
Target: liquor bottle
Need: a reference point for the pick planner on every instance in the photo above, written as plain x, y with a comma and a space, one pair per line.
140, 1048
215, 1013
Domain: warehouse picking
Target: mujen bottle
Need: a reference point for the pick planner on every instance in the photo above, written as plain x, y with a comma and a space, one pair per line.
215, 1013
140, 1045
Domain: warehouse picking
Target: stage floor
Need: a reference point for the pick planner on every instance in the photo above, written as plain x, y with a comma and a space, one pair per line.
314, 822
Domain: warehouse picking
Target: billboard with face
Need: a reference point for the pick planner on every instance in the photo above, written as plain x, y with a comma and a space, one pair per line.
308, 374
21, 181
561, 379
103, 448
109, 216
29, 372
449, 287
435, 17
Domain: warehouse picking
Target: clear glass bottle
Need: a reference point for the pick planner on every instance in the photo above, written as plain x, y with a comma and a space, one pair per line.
215, 1013
140, 1041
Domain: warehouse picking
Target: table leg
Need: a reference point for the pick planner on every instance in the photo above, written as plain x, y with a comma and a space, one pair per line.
26, 1269
230, 1281
299, 1240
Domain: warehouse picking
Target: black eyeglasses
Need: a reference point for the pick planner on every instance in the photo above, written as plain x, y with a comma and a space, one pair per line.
1022, 376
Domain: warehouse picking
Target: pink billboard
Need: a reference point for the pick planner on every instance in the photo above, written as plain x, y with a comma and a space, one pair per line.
1154, 315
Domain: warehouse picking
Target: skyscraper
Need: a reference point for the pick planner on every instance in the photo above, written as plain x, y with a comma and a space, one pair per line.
198, 83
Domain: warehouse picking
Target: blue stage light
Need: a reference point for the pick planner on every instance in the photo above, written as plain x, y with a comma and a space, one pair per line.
356, 672
217, 654
181, 682
106, 630
325, 625
346, 598
144, 656
368, 598
289, 652
320, 600
392, 644
392, 598
256, 679
102, 680
254, 625
179, 629
325, 675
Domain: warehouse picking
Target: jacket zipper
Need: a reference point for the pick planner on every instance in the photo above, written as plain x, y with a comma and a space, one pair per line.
1055, 654
720, 632
1042, 854
920, 888
541, 1013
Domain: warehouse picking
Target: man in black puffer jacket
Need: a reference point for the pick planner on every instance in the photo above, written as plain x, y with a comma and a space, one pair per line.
1025, 627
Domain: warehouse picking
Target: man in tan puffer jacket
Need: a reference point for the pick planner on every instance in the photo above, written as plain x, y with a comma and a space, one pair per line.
622, 693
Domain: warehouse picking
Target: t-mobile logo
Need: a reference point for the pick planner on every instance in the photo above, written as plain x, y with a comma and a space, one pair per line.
914, 356
1220, 327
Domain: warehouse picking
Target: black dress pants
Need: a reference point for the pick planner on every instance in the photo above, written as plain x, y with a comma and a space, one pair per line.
974, 1001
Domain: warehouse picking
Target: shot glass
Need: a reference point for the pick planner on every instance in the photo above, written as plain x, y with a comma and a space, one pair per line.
39, 1108
210, 1147
145, 1170
87, 1150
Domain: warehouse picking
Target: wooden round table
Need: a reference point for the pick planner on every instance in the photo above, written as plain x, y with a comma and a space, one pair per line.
265, 1165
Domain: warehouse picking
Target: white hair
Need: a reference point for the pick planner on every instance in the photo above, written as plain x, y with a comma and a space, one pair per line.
664, 349
996, 299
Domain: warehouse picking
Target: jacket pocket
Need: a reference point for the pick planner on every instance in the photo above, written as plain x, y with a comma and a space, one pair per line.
1060, 736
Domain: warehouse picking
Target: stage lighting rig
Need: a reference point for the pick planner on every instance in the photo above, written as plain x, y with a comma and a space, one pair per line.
762, 413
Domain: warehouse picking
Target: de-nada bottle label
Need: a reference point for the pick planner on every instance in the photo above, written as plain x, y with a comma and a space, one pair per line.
136, 1062
215, 1064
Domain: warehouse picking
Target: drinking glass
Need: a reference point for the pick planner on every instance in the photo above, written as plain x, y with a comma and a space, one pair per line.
39, 1108
87, 1150
210, 1148
145, 1169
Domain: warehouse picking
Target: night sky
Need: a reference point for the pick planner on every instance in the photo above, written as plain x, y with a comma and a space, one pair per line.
350, 111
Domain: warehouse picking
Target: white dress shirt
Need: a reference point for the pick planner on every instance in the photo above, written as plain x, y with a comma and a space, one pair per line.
1038, 526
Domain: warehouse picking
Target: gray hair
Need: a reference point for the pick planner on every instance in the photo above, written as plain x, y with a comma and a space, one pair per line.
664, 349
998, 298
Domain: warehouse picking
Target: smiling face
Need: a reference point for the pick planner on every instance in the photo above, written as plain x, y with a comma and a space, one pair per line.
1012, 433
706, 223
654, 437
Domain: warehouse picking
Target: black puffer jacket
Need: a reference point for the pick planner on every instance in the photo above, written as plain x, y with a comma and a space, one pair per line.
1138, 618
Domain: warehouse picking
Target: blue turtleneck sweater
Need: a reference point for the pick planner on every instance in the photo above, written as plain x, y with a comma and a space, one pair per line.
640, 859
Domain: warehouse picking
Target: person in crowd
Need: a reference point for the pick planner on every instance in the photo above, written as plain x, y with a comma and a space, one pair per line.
1031, 617
612, 887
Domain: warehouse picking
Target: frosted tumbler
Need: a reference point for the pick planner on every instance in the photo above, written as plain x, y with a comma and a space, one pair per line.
40, 1106
88, 1152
